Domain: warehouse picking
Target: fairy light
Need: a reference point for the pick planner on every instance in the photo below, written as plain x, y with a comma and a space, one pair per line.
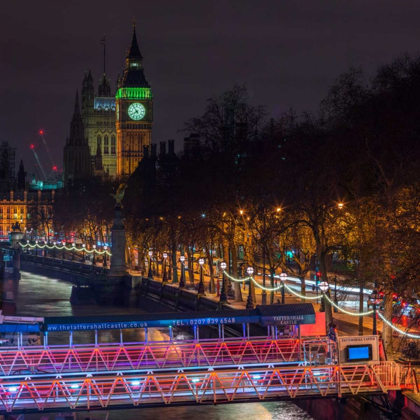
71, 248
298, 295
237, 280
397, 329
267, 289
347, 312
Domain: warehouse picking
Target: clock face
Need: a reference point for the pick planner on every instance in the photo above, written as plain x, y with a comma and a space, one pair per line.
136, 111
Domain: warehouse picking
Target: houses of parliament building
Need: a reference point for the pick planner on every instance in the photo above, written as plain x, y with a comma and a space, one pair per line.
108, 132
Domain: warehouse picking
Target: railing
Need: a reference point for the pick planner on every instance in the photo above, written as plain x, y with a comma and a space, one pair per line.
196, 387
75, 266
162, 355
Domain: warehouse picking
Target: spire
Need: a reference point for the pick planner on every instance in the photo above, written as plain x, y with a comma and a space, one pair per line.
89, 77
134, 52
76, 104
104, 88
103, 43
133, 72
77, 134
21, 177
98, 159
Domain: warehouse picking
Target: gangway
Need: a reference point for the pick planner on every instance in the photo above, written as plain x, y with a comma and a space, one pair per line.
188, 371
163, 355
201, 386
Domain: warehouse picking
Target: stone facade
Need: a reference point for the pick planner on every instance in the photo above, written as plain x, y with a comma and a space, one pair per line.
32, 210
98, 113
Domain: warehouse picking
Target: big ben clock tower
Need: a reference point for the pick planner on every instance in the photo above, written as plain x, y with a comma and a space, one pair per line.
134, 112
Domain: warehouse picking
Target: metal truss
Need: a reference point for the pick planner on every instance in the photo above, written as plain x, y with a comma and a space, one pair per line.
224, 386
135, 356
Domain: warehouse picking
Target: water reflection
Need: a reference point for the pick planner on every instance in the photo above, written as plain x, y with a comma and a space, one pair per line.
41, 296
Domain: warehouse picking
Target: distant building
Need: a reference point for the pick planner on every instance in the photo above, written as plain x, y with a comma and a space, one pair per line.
32, 210
121, 124
191, 143
77, 161
7, 167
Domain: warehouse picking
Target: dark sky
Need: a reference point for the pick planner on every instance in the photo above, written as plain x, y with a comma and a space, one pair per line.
287, 52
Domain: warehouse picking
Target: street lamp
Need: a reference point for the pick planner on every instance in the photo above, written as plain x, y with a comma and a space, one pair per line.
323, 286
54, 245
72, 255
283, 278
83, 253
223, 297
201, 291
182, 279
249, 301
150, 273
105, 248
374, 297
164, 275
94, 251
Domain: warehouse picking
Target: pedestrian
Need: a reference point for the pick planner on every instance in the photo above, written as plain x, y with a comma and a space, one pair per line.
332, 335
278, 302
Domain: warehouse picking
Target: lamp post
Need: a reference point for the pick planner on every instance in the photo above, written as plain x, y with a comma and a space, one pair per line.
323, 286
72, 255
83, 253
374, 298
94, 251
223, 296
105, 248
64, 250
283, 278
335, 294
169, 271
164, 275
201, 291
182, 279
54, 244
150, 273
249, 301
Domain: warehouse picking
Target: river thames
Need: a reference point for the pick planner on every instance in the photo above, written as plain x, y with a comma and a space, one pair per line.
41, 296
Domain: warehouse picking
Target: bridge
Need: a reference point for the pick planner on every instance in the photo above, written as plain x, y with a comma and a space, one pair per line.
282, 364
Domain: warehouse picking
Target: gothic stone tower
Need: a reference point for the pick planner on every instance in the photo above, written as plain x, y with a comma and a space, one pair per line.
134, 112
98, 113
76, 151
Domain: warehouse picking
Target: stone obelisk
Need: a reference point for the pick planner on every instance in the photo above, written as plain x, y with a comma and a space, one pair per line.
118, 264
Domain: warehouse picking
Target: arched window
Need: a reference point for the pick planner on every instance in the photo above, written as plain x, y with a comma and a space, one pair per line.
99, 141
106, 145
113, 146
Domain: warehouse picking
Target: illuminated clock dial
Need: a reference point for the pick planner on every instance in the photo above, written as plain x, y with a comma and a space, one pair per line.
136, 111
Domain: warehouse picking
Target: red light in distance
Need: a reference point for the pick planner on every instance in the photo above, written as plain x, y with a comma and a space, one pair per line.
32, 146
41, 132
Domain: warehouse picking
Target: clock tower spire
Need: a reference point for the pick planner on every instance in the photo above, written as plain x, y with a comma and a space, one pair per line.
134, 112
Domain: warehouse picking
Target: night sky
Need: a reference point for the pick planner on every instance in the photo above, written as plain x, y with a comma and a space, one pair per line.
287, 52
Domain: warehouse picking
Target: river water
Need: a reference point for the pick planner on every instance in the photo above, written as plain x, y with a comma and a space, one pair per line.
41, 296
